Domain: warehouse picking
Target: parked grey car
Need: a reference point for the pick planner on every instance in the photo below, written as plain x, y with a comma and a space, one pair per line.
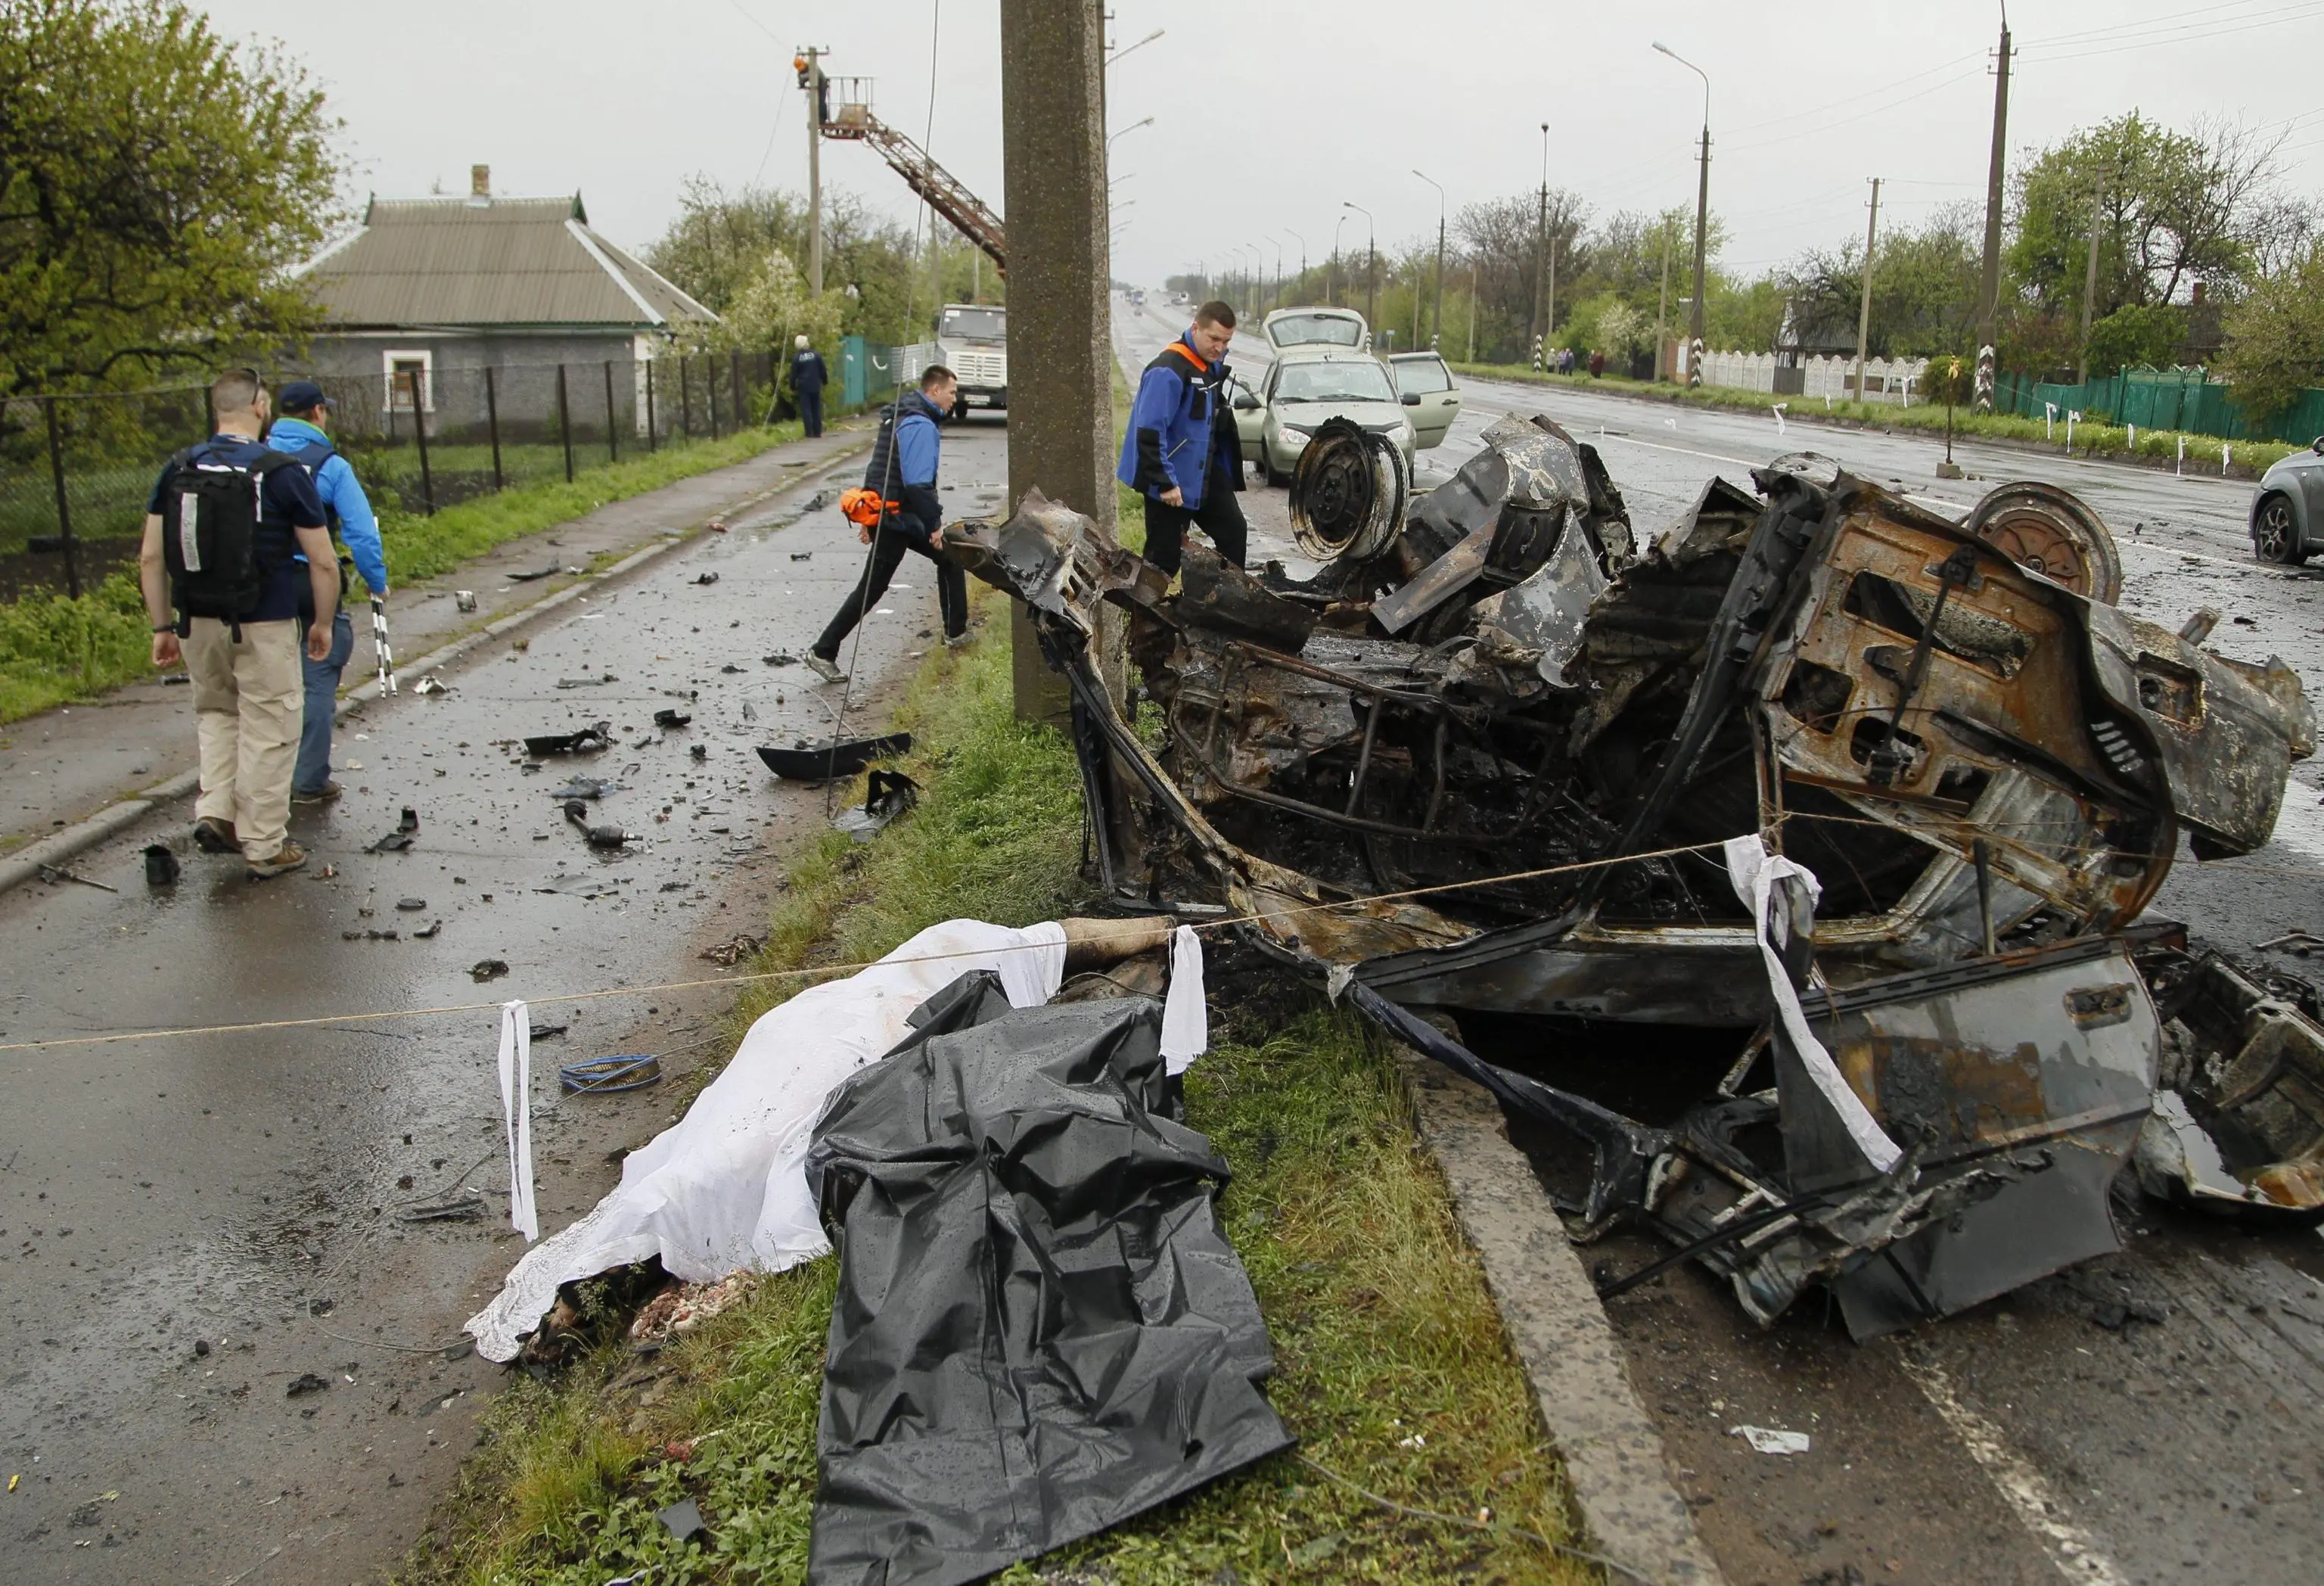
2287, 513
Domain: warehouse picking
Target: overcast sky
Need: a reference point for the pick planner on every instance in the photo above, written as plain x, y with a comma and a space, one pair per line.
1269, 116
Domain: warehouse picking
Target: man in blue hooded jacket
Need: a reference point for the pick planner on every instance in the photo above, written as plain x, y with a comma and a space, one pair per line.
900, 480
1181, 454
299, 428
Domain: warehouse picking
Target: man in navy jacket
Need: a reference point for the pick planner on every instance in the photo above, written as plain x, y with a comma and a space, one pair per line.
1181, 454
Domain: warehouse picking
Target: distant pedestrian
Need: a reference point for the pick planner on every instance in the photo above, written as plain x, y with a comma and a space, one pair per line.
224, 530
300, 429
897, 511
1596, 365
1182, 454
808, 377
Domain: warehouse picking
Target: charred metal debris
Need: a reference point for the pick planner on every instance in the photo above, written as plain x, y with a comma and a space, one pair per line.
1480, 770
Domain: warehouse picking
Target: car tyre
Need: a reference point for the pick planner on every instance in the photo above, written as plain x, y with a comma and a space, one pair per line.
2275, 534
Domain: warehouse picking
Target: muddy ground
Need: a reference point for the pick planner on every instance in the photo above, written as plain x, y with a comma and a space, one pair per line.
233, 1355
2155, 1416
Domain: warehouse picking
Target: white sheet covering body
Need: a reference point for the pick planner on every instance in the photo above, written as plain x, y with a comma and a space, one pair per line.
723, 1187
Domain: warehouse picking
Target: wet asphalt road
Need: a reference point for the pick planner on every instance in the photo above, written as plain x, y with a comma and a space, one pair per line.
191, 1225
2055, 1432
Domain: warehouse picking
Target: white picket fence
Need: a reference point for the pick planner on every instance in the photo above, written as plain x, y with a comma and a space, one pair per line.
1885, 380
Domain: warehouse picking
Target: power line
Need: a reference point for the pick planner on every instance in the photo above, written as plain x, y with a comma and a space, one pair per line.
2201, 34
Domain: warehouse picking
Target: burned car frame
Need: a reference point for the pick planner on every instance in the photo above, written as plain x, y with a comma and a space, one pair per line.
1487, 761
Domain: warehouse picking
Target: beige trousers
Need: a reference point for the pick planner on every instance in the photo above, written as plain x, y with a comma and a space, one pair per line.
249, 699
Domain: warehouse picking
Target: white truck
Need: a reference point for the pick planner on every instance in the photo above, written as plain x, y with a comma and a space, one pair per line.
972, 342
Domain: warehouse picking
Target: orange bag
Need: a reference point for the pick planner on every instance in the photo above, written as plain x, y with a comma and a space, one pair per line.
863, 507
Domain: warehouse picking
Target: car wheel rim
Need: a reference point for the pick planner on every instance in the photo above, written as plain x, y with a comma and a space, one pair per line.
2275, 532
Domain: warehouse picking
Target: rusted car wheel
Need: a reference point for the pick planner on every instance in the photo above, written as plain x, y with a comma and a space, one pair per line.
2275, 534
2052, 532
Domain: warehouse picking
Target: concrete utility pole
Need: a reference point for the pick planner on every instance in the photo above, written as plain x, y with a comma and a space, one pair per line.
1371, 267
1702, 224
1437, 316
1864, 314
1053, 186
1540, 251
808, 63
2090, 275
1989, 301
1302, 241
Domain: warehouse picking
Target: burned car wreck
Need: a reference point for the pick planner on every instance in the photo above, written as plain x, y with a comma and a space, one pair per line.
1817, 783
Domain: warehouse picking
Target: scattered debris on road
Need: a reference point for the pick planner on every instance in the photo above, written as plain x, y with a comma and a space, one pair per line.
1491, 762
399, 841
587, 740
488, 969
823, 762
57, 875
726, 955
162, 868
600, 837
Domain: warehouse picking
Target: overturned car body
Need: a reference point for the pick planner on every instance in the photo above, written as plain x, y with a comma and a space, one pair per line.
1492, 759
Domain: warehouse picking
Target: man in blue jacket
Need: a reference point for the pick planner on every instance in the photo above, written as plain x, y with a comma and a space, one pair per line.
299, 428
900, 480
1181, 454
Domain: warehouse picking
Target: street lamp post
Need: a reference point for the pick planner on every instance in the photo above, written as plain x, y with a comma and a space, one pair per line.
1126, 49
1302, 254
1371, 265
1701, 223
1535, 331
1331, 272
1436, 315
1124, 132
1270, 300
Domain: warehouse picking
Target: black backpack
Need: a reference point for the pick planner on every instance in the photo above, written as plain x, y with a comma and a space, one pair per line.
209, 534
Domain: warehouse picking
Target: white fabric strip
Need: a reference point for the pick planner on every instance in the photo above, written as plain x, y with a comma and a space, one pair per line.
1755, 872
1031, 975
1185, 1018
516, 1114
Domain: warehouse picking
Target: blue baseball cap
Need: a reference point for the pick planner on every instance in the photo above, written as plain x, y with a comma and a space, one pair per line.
301, 396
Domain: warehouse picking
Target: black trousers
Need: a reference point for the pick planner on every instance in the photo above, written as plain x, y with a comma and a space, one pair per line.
1219, 516
888, 549
810, 407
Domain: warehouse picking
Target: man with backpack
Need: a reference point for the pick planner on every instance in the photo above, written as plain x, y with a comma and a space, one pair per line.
897, 511
299, 429
224, 530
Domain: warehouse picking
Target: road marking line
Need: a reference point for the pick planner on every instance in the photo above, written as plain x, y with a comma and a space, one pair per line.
2021, 1486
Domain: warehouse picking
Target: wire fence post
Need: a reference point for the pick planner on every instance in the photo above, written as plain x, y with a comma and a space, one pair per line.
612, 445
684, 399
710, 384
64, 506
493, 427
420, 435
651, 444
736, 389
564, 424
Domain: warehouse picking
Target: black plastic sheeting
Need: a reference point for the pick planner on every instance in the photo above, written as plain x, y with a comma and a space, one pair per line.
1039, 1331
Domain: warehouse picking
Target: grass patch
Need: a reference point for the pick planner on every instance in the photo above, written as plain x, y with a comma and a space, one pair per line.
1392, 1366
2251, 458
54, 650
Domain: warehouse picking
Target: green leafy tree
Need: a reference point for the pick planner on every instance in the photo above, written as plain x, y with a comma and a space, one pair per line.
155, 183
2148, 334
767, 310
2275, 338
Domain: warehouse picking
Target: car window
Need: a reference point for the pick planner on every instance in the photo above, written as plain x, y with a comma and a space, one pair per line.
983, 324
1351, 381
1310, 329
1422, 376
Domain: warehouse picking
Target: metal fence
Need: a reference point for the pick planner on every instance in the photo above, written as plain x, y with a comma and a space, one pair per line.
2185, 399
76, 471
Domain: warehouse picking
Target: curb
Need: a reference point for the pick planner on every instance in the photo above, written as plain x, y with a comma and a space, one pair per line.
25, 864
2243, 472
1549, 1307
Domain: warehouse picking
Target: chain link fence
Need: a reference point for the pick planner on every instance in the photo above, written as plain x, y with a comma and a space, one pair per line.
76, 472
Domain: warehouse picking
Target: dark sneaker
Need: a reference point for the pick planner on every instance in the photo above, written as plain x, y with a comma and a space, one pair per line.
322, 795
288, 857
827, 670
213, 835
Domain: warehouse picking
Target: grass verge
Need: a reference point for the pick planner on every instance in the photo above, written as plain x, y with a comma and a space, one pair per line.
2251, 458
1393, 1369
54, 650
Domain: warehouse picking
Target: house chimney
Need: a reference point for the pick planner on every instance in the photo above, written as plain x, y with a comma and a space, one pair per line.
479, 184
2199, 296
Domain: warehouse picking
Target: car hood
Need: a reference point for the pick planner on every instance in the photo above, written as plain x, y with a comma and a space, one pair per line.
1370, 415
